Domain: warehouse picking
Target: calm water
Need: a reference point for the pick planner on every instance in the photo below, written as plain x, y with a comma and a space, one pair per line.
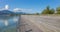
8, 23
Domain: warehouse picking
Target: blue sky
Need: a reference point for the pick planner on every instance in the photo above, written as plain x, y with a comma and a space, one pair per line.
33, 5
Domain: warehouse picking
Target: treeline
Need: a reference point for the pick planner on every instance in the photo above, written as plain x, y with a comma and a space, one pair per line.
47, 10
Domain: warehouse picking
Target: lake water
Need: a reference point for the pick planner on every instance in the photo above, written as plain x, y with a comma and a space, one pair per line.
8, 23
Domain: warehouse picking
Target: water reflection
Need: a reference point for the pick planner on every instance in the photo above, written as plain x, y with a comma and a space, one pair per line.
15, 19
8, 23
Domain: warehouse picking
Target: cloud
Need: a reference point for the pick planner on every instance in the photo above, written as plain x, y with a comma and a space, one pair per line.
1, 9
6, 7
22, 10
17, 10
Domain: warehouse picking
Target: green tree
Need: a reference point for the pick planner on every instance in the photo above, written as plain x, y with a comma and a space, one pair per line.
58, 10
52, 11
45, 11
48, 10
37, 13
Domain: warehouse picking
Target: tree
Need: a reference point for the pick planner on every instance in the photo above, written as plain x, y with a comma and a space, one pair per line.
48, 10
58, 10
52, 11
37, 13
45, 11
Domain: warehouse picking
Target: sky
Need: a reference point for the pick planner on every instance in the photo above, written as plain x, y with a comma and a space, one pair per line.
29, 6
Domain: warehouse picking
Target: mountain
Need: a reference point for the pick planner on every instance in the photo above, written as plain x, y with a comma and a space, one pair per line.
5, 12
